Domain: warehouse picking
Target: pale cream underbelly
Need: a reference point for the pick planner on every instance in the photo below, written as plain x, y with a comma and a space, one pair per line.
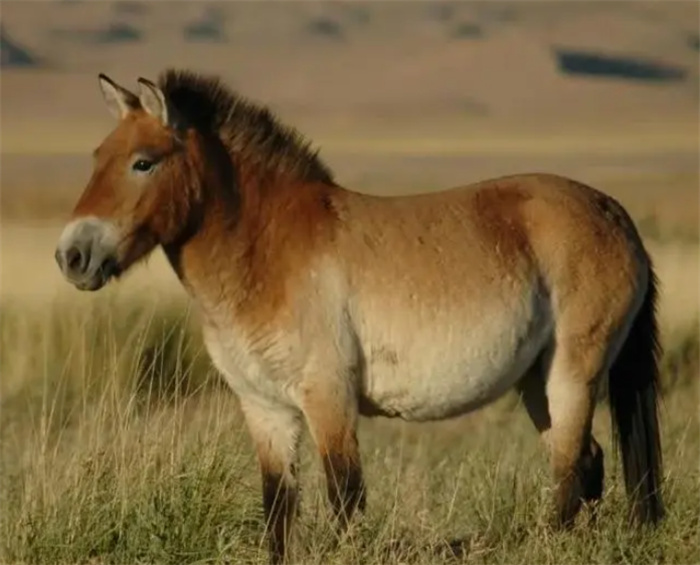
427, 377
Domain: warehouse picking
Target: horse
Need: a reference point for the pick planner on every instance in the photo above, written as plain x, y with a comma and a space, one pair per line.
320, 304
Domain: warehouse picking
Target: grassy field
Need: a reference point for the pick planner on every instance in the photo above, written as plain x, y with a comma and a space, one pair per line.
120, 445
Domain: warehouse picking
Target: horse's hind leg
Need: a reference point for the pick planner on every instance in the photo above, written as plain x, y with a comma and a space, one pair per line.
559, 395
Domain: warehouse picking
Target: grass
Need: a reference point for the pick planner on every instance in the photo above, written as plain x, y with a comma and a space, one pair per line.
120, 445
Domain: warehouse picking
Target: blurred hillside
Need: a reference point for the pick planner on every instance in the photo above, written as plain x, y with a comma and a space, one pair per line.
428, 83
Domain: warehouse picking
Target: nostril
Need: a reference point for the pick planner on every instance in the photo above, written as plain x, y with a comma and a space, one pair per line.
59, 258
73, 258
76, 261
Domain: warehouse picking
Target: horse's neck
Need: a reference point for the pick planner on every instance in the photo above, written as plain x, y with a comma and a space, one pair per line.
245, 247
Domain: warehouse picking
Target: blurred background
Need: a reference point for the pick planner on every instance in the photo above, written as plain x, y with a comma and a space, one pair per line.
399, 96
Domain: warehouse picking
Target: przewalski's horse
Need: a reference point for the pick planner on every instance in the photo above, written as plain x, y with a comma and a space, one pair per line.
320, 304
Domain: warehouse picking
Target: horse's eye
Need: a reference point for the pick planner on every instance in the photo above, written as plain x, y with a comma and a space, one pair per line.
143, 165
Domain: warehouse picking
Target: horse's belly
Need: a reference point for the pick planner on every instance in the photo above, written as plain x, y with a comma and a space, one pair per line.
434, 376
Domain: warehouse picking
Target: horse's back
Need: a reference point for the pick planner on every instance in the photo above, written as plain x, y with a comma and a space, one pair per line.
486, 234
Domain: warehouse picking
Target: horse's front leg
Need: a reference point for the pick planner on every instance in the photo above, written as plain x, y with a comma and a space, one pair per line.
275, 430
331, 411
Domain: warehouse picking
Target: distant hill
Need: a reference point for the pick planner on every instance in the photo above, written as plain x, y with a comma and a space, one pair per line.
432, 62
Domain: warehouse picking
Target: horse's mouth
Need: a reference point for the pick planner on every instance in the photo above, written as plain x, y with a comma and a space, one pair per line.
90, 285
109, 269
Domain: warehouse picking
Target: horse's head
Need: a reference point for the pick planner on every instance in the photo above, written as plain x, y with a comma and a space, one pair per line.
139, 193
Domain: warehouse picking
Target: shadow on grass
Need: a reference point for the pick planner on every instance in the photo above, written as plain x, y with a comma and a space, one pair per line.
325, 27
113, 33
578, 62
14, 55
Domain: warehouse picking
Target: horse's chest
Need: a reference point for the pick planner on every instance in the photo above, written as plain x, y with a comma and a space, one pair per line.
250, 367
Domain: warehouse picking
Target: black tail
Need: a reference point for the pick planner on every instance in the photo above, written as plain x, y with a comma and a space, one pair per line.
633, 389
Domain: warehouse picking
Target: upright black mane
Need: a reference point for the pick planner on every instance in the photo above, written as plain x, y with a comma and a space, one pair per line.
246, 128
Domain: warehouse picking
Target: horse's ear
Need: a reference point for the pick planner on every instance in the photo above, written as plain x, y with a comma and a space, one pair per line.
154, 102
119, 100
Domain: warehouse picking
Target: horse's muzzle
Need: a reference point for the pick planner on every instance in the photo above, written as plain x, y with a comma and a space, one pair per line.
86, 255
